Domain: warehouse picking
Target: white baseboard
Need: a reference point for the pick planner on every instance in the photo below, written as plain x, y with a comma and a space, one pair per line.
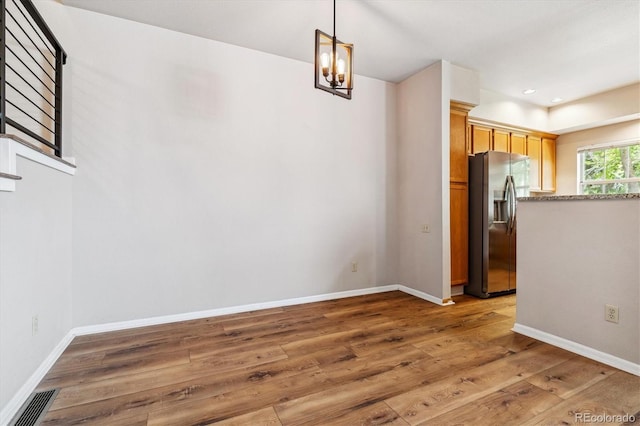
165, 319
25, 391
425, 296
27, 388
580, 349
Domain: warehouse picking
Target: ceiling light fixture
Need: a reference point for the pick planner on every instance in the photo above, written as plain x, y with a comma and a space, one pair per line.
528, 91
556, 100
334, 61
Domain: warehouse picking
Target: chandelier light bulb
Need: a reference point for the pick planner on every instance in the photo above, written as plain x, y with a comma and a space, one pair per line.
324, 62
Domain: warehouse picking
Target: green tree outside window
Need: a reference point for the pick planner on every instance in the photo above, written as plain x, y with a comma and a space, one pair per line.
610, 170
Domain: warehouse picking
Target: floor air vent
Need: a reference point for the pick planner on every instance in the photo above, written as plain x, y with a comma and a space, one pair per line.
35, 408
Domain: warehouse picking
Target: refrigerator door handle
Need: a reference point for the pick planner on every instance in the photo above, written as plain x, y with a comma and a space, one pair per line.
513, 206
507, 196
507, 200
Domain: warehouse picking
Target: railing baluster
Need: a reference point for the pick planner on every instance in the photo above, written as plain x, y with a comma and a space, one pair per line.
58, 102
34, 110
3, 74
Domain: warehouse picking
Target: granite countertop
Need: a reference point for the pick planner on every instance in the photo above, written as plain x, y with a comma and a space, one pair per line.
581, 197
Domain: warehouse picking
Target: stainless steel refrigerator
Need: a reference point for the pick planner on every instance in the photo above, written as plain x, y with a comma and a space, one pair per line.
496, 179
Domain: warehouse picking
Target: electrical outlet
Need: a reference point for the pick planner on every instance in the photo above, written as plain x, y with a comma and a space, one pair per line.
611, 313
426, 228
354, 266
34, 325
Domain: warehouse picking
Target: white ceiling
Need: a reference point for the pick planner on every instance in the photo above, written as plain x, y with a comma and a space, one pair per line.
562, 48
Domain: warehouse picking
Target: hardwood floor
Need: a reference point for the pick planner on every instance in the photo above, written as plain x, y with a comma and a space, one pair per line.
387, 358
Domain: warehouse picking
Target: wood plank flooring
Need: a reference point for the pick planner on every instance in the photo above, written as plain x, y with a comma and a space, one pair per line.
387, 358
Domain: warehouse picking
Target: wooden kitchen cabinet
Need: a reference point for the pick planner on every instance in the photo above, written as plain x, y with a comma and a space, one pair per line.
501, 140
539, 146
460, 145
534, 151
481, 139
458, 163
542, 163
518, 144
548, 164
459, 220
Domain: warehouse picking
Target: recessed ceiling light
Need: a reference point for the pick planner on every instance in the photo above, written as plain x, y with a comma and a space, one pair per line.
556, 100
528, 91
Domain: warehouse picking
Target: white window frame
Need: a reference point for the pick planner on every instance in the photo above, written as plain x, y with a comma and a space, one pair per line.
599, 147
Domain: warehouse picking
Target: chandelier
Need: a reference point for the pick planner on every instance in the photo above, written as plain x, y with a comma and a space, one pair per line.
333, 63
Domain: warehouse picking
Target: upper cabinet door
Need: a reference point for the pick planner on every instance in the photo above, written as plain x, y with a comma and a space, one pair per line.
548, 164
518, 144
500, 140
534, 151
481, 139
458, 165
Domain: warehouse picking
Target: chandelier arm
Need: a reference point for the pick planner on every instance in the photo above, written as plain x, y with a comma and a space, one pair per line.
334, 83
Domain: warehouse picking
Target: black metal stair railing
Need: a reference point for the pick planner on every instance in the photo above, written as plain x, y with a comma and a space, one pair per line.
31, 64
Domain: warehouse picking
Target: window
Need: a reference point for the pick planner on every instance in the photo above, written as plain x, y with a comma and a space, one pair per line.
609, 169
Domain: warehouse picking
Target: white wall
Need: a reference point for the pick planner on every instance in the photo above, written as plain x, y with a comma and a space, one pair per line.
211, 175
614, 106
567, 150
602, 109
465, 85
35, 271
423, 197
565, 278
503, 109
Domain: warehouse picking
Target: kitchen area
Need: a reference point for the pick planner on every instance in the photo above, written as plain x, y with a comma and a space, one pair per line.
491, 165
578, 255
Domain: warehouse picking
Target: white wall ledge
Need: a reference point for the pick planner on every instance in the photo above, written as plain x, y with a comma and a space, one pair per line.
11, 147
9, 176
